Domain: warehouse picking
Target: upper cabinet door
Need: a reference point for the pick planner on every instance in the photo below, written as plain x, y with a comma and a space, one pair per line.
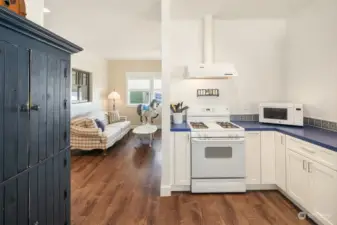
14, 94
323, 193
298, 178
267, 157
253, 157
280, 163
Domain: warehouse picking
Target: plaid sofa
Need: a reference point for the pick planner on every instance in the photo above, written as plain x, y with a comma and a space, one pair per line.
85, 135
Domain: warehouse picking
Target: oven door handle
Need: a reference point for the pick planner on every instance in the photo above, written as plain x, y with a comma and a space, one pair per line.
212, 140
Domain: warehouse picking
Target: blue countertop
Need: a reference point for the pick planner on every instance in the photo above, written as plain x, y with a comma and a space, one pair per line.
180, 127
324, 138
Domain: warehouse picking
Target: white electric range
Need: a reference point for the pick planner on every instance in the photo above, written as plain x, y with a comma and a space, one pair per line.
217, 151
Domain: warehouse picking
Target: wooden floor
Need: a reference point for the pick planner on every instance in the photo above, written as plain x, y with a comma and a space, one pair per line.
123, 189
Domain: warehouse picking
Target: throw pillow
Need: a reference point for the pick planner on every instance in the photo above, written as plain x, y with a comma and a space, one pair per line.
114, 117
100, 124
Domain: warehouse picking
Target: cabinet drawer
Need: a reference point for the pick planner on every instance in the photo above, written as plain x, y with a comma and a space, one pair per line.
302, 147
327, 157
314, 152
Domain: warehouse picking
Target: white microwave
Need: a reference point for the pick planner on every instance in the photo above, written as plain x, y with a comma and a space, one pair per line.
281, 113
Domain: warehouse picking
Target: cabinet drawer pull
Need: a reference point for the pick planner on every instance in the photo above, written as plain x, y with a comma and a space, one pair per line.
304, 165
307, 150
309, 167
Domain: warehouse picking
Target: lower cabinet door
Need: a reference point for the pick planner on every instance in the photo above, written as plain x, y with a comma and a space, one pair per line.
280, 162
298, 178
268, 157
253, 157
323, 193
182, 158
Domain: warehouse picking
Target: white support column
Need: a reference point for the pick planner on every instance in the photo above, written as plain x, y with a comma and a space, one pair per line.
165, 189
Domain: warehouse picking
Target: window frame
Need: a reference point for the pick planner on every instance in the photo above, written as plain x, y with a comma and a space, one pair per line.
79, 76
141, 76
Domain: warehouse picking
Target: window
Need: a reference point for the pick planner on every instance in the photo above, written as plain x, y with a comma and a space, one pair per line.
143, 87
80, 92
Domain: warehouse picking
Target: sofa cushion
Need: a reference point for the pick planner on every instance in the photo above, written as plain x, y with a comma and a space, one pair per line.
112, 132
121, 125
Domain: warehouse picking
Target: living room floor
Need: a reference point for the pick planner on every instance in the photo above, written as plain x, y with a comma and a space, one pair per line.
123, 188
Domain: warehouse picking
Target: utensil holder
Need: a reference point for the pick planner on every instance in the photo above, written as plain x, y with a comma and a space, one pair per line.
178, 118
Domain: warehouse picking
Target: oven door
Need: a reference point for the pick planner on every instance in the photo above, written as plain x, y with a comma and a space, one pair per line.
218, 158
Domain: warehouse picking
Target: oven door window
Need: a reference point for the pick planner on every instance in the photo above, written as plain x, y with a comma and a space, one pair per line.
218, 152
275, 113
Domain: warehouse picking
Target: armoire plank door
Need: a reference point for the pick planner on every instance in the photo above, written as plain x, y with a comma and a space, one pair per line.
34, 123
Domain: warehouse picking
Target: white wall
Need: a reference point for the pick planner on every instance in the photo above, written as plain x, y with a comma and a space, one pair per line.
312, 59
87, 61
99, 68
34, 9
254, 46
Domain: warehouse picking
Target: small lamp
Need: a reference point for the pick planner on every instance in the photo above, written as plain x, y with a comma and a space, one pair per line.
114, 96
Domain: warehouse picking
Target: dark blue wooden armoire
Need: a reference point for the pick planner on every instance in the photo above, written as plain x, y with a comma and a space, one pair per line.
34, 123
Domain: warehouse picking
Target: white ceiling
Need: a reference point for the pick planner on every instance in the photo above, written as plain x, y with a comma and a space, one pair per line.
115, 29
130, 29
236, 9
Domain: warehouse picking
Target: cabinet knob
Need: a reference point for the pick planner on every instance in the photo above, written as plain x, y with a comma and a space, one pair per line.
35, 107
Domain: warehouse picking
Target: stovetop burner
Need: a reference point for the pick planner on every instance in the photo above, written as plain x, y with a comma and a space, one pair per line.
198, 125
226, 125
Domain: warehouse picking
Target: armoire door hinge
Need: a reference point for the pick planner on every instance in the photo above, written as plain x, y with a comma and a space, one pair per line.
65, 162
65, 135
65, 72
65, 194
65, 103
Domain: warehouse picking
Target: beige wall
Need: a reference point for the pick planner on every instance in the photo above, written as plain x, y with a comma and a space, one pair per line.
117, 80
98, 67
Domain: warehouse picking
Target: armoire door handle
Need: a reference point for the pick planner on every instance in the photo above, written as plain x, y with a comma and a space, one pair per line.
24, 108
35, 107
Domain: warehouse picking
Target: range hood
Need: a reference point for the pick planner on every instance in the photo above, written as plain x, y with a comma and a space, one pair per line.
208, 69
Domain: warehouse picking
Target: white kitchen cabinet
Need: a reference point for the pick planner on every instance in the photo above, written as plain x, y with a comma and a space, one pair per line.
323, 193
267, 157
253, 157
280, 160
298, 178
182, 158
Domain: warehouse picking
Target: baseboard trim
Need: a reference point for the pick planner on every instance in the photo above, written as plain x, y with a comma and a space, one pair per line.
181, 188
311, 216
261, 187
165, 191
